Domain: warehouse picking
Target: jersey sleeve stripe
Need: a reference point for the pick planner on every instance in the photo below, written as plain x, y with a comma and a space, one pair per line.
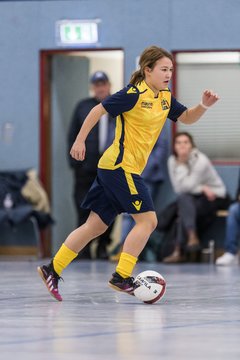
121, 141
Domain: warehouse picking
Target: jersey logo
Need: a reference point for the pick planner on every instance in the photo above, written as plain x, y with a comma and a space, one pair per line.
146, 105
165, 104
132, 90
137, 204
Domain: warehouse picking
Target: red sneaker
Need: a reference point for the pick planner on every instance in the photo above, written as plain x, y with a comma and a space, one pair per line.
122, 284
50, 278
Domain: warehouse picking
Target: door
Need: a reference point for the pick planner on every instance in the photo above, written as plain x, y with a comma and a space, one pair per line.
69, 84
64, 80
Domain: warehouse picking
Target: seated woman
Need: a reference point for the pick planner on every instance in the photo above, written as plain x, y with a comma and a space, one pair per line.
200, 193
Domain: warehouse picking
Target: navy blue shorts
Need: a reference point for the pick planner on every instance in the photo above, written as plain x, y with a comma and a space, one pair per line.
116, 191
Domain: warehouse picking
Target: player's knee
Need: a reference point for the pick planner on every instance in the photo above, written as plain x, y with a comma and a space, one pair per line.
95, 225
99, 229
95, 229
152, 222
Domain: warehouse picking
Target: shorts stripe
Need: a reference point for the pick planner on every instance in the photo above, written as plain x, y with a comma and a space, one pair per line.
130, 182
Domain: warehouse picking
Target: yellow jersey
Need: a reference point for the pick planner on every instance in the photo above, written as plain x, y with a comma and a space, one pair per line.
140, 118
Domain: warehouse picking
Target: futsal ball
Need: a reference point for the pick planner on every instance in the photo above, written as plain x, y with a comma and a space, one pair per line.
149, 286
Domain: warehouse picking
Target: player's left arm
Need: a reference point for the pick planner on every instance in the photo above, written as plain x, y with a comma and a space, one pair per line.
191, 115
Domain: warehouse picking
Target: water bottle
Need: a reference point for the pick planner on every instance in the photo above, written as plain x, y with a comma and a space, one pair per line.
211, 251
8, 201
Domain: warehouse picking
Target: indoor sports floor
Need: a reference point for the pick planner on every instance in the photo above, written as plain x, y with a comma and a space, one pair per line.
199, 317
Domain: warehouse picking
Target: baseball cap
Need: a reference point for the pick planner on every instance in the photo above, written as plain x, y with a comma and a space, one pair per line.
99, 76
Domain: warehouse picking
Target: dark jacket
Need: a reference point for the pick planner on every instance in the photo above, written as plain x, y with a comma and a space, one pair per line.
89, 165
11, 184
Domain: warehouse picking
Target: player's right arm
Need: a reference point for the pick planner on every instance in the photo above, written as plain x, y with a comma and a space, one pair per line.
78, 149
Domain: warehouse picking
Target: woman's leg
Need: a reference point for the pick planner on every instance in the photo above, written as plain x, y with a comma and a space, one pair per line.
145, 224
80, 237
233, 229
176, 256
230, 257
187, 211
77, 240
74, 243
187, 219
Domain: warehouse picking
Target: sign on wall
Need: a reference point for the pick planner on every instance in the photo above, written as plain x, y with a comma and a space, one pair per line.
77, 32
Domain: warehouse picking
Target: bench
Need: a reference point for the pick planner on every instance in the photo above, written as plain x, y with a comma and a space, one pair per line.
24, 211
20, 239
222, 213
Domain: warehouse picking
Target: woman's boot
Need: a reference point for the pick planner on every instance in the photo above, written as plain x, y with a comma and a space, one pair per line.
175, 257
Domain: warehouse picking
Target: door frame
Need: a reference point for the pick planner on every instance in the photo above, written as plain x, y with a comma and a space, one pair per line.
45, 123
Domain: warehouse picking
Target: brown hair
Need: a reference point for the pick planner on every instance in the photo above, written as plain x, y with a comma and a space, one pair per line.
148, 58
182, 133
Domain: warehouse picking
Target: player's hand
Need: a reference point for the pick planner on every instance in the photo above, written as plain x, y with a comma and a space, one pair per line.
78, 150
209, 98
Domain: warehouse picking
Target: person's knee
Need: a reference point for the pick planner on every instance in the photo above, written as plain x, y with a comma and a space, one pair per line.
233, 209
152, 222
183, 197
95, 225
146, 221
100, 229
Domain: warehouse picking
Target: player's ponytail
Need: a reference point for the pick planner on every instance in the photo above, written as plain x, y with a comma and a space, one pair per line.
137, 77
148, 58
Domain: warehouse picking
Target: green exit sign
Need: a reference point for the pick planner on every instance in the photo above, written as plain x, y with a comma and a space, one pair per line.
74, 32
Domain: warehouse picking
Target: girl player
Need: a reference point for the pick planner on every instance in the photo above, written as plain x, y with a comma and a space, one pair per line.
141, 109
